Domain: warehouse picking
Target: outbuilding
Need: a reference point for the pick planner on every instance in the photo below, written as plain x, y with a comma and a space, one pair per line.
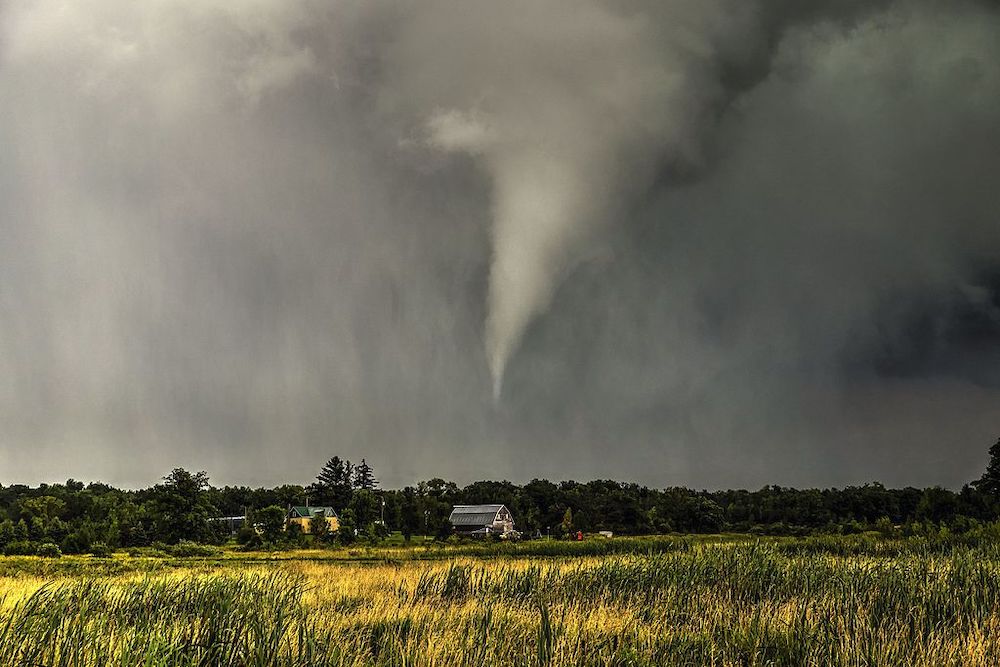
482, 520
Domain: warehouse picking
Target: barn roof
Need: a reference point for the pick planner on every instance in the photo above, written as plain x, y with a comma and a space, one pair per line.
474, 515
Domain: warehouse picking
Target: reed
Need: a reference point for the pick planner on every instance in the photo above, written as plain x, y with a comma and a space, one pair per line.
736, 602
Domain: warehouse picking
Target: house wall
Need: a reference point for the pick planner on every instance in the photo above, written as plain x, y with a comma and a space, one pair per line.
332, 523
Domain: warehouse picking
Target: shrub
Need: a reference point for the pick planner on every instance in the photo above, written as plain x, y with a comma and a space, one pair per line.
101, 550
249, 540
75, 543
21, 548
444, 531
246, 535
185, 549
49, 550
294, 535
885, 528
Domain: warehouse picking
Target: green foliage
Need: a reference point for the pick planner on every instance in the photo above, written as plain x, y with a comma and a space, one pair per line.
272, 523
365, 505
20, 548
346, 531
444, 530
374, 533
334, 483
885, 528
409, 514
319, 527
295, 537
566, 525
247, 537
76, 517
77, 542
20, 531
181, 507
6, 533
49, 550
101, 550
188, 549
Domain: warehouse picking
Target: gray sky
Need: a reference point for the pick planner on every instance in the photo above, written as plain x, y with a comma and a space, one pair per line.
713, 243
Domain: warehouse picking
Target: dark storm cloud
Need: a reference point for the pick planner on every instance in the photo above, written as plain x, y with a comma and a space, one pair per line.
709, 243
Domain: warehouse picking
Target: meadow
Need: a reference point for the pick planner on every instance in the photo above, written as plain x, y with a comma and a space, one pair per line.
857, 600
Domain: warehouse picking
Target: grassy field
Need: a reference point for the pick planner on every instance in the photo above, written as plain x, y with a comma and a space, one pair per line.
662, 601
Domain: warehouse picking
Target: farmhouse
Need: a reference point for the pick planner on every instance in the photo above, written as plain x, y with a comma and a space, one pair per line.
303, 516
482, 520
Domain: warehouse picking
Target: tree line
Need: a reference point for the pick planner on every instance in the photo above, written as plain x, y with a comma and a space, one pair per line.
78, 518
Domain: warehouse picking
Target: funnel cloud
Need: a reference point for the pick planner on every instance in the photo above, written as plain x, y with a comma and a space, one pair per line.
704, 242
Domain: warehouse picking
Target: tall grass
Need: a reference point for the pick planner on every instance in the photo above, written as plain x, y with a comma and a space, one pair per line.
744, 603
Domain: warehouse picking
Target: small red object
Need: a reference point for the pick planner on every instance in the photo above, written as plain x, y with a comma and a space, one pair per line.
579, 536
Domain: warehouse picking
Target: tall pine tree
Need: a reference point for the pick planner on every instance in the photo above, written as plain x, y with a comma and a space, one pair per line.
333, 484
364, 476
332, 473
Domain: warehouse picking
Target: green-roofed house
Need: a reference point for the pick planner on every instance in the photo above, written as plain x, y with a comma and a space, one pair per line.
304, 514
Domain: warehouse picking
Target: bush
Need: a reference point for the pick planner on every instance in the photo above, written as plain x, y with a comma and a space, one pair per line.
186, 549
885, 528
21, 548
49, 550
75, 543
101, 550
294, 535
852, 527
147, 552
250, 541
444, 531
246, 535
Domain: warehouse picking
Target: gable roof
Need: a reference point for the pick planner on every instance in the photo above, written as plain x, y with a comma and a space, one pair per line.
474, 515
304, 512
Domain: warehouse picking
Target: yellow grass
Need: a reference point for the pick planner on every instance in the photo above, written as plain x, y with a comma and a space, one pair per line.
742, 604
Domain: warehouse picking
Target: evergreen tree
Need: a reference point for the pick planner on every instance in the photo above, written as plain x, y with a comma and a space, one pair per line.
364, 476
989, 483
333, 484
332, 473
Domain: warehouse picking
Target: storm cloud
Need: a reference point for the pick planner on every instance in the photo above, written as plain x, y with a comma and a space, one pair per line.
712, 243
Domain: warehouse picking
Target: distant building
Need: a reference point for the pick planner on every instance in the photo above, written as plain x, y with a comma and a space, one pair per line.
482, 520
232, 523
303, 516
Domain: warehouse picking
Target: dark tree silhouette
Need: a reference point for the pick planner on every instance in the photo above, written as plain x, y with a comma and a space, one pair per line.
989, 483
364, 476
333, 484
333, 473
